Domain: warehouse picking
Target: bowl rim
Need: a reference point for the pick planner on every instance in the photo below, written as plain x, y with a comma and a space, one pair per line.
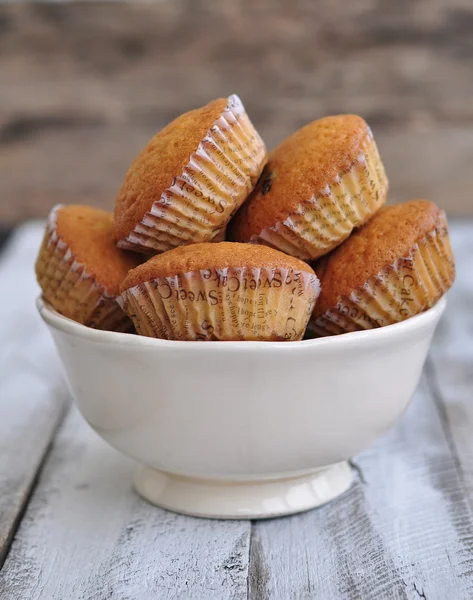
380, 334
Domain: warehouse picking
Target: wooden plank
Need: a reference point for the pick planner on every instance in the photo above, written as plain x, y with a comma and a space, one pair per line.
84, 86
451, 365
32, 393
405, 529
402, 531
87, 534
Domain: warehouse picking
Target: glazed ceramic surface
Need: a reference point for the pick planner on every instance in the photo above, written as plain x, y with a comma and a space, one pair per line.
242, 429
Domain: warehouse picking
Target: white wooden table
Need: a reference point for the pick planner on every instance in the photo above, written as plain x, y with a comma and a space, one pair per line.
71, 526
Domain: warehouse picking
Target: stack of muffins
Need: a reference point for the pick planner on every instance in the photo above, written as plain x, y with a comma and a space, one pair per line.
311, 250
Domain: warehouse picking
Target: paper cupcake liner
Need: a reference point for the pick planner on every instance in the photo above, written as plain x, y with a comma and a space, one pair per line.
203, 198
71, 290
224, 304
327, 219
401, 290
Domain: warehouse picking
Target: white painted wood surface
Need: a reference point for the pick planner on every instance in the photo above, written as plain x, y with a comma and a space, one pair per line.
32, 393
87, 534
451, 365
404, 530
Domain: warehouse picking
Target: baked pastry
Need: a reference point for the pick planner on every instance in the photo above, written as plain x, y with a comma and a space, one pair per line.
397, 265
79, 268
186, 184
221, 291
319, 184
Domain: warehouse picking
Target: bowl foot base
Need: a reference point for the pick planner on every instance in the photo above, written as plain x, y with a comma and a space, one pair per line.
259, 499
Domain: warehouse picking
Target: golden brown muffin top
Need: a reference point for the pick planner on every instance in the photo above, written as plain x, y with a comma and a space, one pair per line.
164, 158
90, 236
300, 167
387, 236
197, 257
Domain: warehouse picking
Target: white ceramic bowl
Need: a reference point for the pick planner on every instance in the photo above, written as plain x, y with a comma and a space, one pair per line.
242, 429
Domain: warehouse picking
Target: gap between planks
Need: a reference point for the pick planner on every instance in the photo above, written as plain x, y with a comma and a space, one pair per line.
87, 535
33, 397
405, 528
11, 522
431, 376
406, 532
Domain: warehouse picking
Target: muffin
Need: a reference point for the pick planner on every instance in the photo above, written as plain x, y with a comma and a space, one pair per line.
184, 187
221, 291
397, 265
319, 184
79, 268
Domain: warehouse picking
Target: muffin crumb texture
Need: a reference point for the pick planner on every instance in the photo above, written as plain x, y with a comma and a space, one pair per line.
159, 264
80, 269
319, 184
225, 291
397, 265
187, 183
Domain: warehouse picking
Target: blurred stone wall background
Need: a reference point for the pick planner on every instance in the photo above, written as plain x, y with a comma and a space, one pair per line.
83, 86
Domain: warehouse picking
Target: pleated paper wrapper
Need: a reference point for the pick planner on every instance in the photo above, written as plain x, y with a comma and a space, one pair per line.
203, 198
324, 221
253, 304
401, 290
